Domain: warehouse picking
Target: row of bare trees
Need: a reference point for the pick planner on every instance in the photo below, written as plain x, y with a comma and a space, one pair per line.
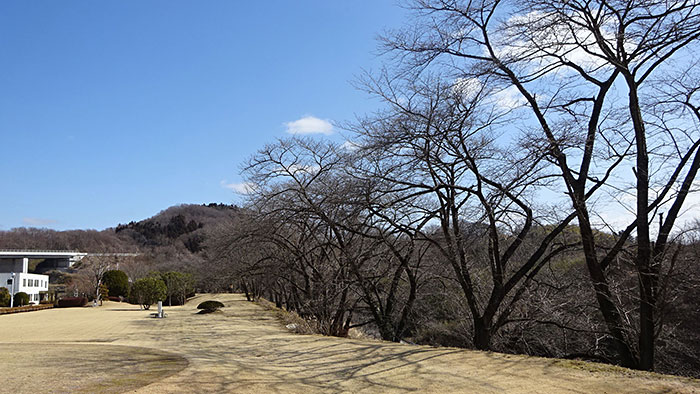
607, 89
517, 139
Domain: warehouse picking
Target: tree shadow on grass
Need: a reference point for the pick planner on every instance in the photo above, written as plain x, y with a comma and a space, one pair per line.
83, 368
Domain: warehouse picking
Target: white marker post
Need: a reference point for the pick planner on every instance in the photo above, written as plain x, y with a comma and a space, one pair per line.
160, 309
12, 291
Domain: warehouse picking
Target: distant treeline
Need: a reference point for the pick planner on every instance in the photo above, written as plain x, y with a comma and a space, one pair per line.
175, 238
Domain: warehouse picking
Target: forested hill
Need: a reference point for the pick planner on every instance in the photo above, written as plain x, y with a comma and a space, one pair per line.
178, 227
186, 224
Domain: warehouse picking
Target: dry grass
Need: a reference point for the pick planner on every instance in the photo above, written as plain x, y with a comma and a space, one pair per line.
245, 349
303, 326
287, 318
619, 371
83, 368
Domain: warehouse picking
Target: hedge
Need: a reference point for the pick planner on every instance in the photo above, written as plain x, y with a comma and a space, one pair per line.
28, 308
69, 302
210, 305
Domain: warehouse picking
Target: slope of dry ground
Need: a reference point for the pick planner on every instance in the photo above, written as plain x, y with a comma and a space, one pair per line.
119, 348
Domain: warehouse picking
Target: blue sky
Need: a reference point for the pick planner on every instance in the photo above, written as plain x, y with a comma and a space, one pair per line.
113, 111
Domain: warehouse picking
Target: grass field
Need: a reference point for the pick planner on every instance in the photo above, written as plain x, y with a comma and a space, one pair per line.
119, 348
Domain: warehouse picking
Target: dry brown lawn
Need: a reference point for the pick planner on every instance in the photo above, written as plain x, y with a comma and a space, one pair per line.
243, 348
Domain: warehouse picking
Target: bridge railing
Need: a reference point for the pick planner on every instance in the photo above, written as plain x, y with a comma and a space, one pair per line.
75, 252
39, 251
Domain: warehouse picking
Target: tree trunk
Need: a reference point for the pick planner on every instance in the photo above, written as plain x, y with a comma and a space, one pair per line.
482, 334
607, 307
245, 290
646, 279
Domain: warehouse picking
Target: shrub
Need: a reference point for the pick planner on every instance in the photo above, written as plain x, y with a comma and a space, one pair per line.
210, 306
115, 299
117, 282
72, 302
21, 299
147, 291
178, 286
104, 292
4, 297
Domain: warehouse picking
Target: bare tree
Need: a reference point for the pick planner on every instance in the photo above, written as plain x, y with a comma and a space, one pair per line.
435, 146
565, 66
93, 267
327, 255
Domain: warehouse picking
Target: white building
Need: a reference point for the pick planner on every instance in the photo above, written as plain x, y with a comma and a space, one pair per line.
32, 284
17, 262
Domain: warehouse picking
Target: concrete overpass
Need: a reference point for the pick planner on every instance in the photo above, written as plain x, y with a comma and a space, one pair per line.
17, 260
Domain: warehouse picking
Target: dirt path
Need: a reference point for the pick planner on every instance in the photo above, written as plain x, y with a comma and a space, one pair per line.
117, 347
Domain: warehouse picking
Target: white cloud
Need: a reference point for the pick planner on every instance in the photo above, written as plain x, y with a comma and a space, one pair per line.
509, 98
309, 125
38, 221
558, 40
240, 188
350, 146
467, 87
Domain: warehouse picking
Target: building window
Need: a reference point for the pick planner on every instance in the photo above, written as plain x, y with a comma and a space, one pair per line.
24, 282
36, 282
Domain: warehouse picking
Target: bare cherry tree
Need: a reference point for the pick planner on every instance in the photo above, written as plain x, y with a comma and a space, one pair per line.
436, 146
582, 76
93, 267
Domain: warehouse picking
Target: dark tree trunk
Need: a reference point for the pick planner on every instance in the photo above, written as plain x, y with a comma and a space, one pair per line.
482, 334
245, 290
607, 307
644, 269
